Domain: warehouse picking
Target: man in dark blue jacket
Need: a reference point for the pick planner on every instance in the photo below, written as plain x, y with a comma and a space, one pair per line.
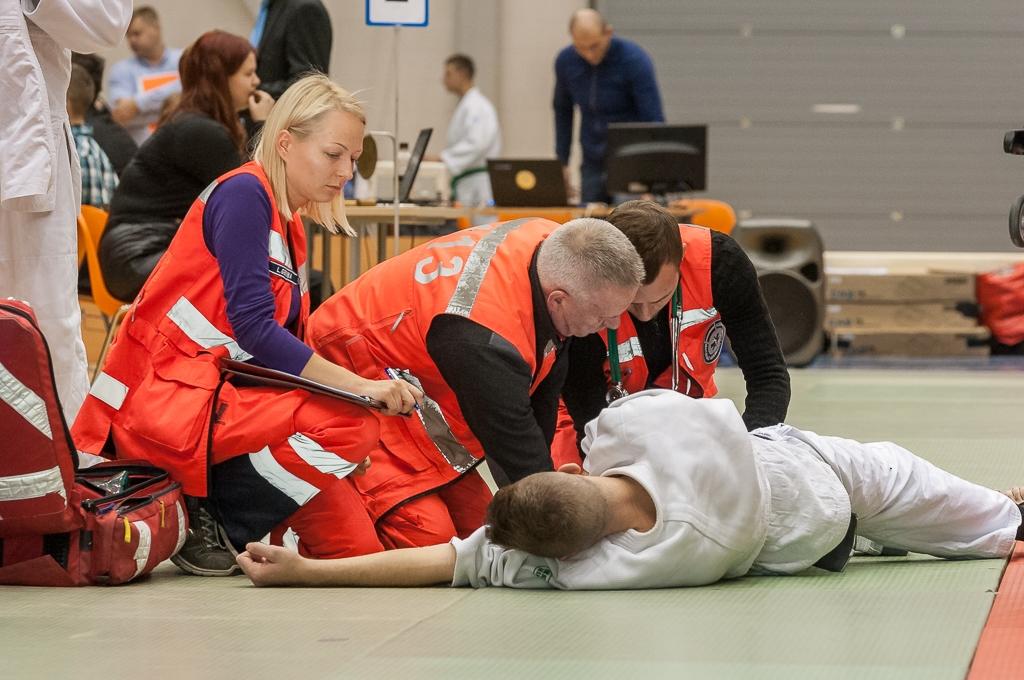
611, 80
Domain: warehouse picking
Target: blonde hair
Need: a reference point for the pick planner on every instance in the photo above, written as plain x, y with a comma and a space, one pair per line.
299, 110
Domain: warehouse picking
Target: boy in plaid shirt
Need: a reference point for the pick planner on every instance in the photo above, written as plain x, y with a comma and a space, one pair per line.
98, 177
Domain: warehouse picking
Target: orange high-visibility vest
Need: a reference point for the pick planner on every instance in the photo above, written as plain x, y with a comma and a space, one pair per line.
702, 335
700, 342
381, 321
156, 388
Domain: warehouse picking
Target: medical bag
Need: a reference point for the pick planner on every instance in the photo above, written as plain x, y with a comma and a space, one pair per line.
60, 525
1001, 299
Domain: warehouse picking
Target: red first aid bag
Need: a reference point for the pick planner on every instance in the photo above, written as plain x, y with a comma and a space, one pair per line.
130, 530
1001, 298
106, 524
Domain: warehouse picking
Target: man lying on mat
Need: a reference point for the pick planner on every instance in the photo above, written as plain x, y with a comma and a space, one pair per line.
675, 492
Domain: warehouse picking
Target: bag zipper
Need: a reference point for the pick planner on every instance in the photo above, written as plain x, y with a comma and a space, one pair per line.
90, 503
130, 504
102, 506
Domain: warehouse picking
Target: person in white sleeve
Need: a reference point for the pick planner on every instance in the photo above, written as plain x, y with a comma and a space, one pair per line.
474, 134
675, 492
40, 183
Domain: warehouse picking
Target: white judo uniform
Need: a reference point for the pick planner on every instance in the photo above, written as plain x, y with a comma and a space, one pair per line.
474, 135
40, 176
731, 502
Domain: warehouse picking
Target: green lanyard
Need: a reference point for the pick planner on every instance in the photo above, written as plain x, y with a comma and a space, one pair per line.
615, 369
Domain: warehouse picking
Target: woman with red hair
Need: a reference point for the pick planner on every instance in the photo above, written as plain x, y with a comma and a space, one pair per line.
198, 140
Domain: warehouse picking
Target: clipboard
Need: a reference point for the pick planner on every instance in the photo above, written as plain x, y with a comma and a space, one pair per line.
258, 375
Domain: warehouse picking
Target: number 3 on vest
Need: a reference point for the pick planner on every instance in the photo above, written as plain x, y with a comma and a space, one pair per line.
429, 268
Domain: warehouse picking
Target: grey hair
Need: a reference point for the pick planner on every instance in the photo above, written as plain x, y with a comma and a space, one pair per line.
586, 255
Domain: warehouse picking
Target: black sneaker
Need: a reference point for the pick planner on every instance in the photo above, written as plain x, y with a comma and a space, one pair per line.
206, 551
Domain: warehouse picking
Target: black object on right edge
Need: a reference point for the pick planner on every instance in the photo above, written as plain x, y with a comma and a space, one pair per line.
788, 256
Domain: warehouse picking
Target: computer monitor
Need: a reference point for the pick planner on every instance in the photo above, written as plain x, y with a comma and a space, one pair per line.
656, 158
413, 166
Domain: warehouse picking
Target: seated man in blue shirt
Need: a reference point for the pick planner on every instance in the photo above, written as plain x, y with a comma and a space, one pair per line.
139, 85
611, 80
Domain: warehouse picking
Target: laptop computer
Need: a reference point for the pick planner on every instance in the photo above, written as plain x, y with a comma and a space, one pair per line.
521, 183
405, 182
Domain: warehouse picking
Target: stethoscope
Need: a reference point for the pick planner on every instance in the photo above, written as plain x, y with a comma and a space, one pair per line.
675, 327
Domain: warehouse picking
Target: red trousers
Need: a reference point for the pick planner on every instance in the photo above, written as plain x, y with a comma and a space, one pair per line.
563, 446
304, 445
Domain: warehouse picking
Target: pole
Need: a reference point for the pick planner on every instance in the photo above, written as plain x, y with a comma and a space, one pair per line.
395, 173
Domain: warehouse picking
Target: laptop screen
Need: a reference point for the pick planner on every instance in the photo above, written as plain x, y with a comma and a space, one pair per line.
415, 158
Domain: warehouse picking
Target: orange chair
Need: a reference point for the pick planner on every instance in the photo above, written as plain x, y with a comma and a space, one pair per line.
91, 222
705, 212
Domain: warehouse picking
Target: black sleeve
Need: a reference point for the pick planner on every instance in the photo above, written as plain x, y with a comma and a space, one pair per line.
307, 46
491, 382
203, 149
585, 388
545, 398
738, 298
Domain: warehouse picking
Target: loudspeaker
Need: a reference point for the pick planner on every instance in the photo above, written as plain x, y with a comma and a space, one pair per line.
787, 254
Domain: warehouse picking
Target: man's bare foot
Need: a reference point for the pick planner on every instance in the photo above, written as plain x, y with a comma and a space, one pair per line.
1015, 493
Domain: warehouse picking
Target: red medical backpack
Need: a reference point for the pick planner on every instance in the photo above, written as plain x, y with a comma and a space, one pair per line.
60, 525
1001, 298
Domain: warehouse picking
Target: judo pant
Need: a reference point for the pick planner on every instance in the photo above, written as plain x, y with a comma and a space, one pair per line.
902, 501
39, 264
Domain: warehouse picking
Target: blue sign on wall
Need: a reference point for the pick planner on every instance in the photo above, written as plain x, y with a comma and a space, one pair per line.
397, 13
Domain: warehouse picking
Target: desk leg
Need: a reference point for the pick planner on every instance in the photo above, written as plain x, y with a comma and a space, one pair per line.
326, 285
355, 250
382, 241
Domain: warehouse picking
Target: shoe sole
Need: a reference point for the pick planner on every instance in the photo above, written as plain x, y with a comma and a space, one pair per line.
193, 570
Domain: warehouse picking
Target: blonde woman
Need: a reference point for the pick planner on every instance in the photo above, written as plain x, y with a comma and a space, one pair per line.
233, 284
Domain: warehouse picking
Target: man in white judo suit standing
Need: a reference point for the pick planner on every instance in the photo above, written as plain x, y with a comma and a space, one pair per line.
474, 134
40, 177
680, 494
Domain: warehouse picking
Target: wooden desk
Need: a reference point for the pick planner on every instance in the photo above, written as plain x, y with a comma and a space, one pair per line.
371, 223
567, 213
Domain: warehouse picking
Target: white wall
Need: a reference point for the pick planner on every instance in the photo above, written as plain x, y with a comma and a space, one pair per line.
513, 42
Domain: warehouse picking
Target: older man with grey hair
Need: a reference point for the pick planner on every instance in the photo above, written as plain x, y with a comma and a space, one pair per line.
479, 319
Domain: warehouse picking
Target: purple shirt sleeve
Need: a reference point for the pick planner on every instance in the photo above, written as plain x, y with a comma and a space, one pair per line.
236, 228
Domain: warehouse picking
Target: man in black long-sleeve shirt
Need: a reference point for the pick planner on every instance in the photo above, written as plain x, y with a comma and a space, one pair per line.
480, 318
492, 384
736, 309
292, 38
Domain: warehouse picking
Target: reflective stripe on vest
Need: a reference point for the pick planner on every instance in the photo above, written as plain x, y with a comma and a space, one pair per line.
630, 349
109, 390
692, 317
24, 401
32, 485
201, 330
479, 260
278, 249
205, 195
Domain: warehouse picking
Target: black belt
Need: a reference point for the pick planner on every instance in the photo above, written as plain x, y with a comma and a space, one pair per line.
836, 558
